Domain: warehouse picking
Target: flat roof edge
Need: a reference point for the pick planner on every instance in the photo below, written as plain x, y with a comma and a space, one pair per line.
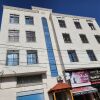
40, 8
45, 9
25, 9
16, 8
73, 16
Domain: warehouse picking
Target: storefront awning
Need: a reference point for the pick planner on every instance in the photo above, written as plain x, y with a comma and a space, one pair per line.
59, 86
83, 90
97, 82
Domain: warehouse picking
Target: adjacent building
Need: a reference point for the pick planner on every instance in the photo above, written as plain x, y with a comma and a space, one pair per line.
78, 42
48, 56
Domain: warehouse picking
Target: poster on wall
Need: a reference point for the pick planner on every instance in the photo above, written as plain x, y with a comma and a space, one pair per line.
79, 78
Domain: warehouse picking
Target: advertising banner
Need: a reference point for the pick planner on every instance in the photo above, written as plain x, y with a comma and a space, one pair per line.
79, 78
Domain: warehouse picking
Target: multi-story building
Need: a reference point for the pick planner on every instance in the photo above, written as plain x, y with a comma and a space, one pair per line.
40, 49
79, 45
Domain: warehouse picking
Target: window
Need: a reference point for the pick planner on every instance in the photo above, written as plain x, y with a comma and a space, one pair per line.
29, 80
12, 58
51, 56
66, 38
30, 36
72, 55
83, 38
91, 26
32, 57
91, 55
62, 23
77, 25
14, 18
13, 36
29, 20
97, 38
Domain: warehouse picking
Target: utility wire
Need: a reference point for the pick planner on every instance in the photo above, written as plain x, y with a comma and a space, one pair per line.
20, 48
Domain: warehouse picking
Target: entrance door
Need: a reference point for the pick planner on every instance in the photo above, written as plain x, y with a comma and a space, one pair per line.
61, 96
79, 97
83, 97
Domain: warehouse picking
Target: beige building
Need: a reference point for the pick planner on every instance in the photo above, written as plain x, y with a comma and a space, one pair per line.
37, 46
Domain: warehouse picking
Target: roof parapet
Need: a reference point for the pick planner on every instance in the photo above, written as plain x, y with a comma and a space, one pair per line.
45, 9
72, 16
24, 9
40, 8
16, 8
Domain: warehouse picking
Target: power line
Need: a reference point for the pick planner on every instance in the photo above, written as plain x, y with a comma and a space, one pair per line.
8, 46
38, 64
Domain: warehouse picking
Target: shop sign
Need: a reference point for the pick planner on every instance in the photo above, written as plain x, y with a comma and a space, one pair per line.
94, 75
83, 90
79, 78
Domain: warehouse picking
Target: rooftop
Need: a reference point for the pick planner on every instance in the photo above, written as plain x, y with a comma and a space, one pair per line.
45, 9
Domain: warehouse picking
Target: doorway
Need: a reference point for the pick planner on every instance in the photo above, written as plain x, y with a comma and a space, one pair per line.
83, 97
61, 96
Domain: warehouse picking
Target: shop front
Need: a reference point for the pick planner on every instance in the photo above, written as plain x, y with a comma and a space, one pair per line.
81, 85
84, 93
94, 75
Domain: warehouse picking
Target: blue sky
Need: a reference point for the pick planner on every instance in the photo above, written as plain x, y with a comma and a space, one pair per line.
89, 8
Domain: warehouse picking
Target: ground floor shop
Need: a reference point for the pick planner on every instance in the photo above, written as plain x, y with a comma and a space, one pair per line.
89, 96
84, 84
94, 75
97, 86
85, 93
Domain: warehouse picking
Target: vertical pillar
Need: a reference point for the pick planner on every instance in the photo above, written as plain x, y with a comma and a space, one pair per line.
71, 95
54, 95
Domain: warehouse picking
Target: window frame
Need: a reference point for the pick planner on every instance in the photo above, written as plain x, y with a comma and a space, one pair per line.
30, 59
77, 25
91, 25
29, 20
14, 60
29, 80
13, 36
83, 38
62, 23
91, 55
72, 56
97, 37
66, 38
13, 20
30, 36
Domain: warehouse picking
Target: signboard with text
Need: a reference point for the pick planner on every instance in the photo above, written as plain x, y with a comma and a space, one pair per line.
94, 75
79, 78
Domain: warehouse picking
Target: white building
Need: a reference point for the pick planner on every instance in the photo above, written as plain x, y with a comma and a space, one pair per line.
33, 49
78, 40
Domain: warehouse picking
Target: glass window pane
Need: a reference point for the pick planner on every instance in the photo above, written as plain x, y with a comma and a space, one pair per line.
12, 58
30, 36
13, 36
29, 20
91, 55
14, 18
32, 57
72, 56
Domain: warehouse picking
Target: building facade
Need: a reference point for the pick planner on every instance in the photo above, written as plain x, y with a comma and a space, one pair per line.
78, 43
48, 56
